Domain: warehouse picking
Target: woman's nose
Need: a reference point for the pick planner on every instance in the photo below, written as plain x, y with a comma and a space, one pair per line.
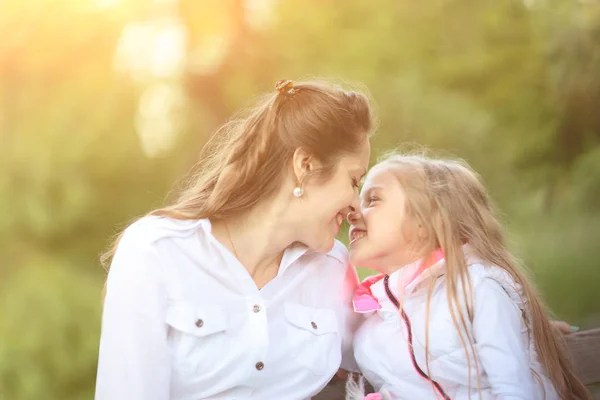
355, 205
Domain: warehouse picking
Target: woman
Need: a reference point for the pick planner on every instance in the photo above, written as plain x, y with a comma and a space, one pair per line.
239, 290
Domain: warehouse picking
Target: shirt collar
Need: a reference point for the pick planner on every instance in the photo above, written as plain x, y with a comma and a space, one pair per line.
297, 250
290, 254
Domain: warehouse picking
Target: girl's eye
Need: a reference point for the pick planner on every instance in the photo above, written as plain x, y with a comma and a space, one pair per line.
373, 199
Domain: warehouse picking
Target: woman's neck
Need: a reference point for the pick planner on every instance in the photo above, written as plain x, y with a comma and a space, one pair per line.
259, 237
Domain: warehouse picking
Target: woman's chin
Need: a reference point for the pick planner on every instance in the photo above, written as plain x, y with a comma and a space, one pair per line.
323, 246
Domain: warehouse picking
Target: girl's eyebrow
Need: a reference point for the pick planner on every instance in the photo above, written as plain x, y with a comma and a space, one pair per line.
366, 193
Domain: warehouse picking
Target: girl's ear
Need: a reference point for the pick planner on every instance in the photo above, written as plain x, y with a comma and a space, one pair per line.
421, 231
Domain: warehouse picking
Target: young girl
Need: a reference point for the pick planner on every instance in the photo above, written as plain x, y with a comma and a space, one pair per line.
451, 315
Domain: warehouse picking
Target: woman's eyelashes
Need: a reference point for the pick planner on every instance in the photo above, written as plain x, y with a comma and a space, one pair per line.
358, 181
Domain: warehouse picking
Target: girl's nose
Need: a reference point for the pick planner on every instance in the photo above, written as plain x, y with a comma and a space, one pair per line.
353, 216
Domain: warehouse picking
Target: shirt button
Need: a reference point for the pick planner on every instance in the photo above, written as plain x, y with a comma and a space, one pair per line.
199, 323
314, 325
256, 308
259, 365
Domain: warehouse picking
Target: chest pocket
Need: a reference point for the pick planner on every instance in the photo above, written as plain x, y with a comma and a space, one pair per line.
197, 336
314, 338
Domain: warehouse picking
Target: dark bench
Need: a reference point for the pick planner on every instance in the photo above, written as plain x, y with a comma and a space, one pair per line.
584, 347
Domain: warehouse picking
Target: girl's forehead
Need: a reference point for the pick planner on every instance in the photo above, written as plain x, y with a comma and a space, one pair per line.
378, 174
378, 178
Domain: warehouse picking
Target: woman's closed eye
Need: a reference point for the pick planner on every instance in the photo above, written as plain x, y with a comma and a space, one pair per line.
355, 183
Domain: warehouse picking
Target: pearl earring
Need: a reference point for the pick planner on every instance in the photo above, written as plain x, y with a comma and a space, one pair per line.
298, 192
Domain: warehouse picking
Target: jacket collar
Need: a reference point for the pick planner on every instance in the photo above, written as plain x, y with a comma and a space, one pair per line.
411, 279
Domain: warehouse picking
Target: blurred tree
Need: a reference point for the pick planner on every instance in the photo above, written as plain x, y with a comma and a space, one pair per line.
68, 147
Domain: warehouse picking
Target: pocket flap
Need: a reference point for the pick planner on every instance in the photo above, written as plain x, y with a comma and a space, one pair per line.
318, 321
195, 320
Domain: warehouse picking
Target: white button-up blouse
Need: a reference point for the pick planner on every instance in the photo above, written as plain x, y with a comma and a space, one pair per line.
183, 319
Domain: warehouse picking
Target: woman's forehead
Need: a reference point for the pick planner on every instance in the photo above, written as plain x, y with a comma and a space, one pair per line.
358, 160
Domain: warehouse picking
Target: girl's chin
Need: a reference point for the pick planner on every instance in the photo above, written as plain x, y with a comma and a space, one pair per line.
357, 260
363, 261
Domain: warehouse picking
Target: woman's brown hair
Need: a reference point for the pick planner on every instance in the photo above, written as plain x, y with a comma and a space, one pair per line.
247, 158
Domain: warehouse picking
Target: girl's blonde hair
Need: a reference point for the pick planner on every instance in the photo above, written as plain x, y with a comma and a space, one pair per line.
448, 199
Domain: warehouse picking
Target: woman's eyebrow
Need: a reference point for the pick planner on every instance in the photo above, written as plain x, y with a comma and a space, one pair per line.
361, 178
358, 171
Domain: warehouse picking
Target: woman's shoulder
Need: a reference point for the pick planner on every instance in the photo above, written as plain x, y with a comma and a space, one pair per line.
138, 246
154, 228
150, 229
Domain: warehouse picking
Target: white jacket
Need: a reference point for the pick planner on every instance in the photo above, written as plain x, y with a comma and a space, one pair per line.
504, 347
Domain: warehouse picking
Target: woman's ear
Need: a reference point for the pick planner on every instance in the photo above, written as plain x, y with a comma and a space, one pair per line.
304, 164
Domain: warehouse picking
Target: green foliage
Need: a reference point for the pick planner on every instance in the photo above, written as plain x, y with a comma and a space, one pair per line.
50, 331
